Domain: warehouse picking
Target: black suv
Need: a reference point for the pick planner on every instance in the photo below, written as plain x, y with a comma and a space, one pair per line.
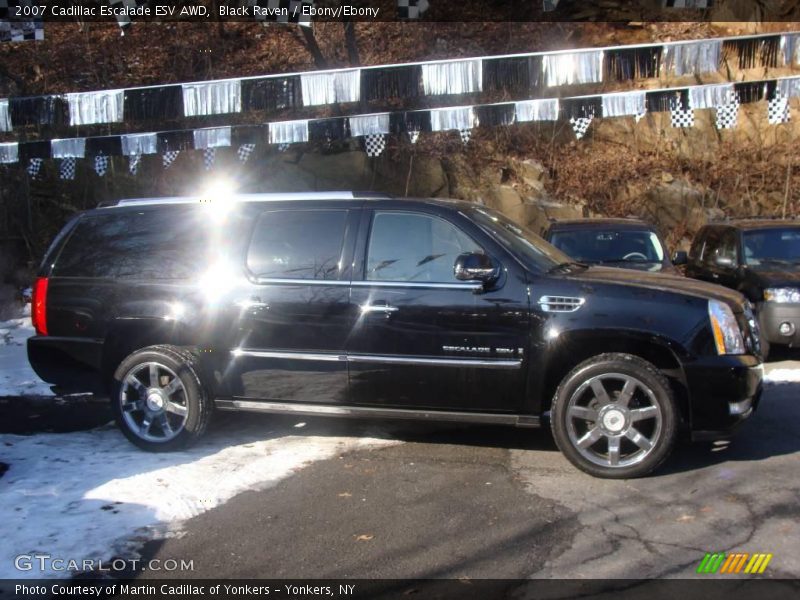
340, 304
625, 243
761, 259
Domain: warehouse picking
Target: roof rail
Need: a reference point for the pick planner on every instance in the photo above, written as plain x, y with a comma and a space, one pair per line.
266, 197
728, 219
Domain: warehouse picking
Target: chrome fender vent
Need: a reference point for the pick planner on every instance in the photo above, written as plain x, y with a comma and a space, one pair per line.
561, 303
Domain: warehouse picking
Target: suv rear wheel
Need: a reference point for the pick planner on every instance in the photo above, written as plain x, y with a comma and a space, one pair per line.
158, 399
615, 416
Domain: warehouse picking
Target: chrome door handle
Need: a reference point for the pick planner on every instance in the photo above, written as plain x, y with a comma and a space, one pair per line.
253, 304
373, 308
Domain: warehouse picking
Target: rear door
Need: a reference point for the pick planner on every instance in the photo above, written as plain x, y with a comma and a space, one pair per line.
423, 339
296, 314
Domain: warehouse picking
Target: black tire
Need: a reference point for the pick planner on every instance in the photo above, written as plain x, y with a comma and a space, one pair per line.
579, 415
189, 397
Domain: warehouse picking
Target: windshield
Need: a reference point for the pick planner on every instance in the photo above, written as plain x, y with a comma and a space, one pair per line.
606, 246
772, 246
521, 242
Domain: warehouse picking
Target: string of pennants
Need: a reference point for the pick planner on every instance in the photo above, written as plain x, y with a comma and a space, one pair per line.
373, 129
14, 29
514, 75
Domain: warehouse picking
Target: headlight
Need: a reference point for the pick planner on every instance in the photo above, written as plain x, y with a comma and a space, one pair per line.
782, 295
727, 335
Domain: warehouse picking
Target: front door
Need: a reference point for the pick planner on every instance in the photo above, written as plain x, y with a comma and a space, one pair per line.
424, 339
295, 315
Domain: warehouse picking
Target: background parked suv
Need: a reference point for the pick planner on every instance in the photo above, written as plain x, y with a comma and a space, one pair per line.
336, 304
761, 259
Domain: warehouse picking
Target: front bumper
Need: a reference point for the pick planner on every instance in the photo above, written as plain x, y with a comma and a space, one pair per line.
770, 317
724, 391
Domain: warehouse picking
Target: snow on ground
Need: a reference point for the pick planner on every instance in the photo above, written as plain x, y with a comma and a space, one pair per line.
93, 495
16, 376
782, 375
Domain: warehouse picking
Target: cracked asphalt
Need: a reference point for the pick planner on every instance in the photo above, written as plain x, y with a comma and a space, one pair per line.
477, 502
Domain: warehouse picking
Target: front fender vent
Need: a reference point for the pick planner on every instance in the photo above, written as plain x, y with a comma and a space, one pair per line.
561, 303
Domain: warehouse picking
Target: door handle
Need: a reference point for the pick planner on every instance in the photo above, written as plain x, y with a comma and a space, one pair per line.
253, 304
715, 275
373, 308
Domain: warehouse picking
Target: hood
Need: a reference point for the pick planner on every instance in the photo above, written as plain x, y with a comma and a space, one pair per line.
664, 282
776, 275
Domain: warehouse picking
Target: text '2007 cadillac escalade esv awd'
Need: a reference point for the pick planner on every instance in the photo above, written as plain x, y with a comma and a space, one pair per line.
366, 305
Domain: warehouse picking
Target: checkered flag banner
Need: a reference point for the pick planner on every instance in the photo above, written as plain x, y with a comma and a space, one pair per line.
123, 20
580, 125
778, 110
681, 117
169, 157
413, 136
640, 116
209, 154
244, 152
13, 29
465, 134
133, 163
727, 114
67, 170
35, 167
283, 147
281, 11
101, 164
374, 144
411, 9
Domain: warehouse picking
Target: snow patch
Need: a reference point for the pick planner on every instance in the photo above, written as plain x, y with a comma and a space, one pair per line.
16, 375
782, 376
92, 495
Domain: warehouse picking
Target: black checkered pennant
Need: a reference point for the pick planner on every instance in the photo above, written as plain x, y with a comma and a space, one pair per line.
101, 164
727, 114
35, 167
169, 157
681, 117
374, 144
778, 110
133, 163
209, 154
465, 134
124, 21
283, 147
413, 136
640, 116
411, 9
19, 29
281, 11
580, 125
244, 152
67, 170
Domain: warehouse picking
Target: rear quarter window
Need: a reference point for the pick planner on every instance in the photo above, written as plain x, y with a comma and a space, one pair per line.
150, 244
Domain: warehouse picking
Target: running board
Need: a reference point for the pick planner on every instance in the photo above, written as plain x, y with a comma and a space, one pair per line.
380, 413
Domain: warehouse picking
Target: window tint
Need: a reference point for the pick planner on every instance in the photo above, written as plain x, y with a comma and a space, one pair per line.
298, 244
414, 247
711, 245
608, 246
727, 246
764, 246
155, 244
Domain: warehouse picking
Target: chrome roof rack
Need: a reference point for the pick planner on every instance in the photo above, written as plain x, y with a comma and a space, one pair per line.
270, 197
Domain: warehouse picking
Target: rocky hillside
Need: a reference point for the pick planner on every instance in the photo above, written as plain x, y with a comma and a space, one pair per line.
677, 177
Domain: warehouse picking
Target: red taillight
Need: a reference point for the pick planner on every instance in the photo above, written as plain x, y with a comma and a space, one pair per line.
39, 306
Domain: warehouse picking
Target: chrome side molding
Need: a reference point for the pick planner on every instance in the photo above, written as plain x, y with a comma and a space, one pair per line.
487, 363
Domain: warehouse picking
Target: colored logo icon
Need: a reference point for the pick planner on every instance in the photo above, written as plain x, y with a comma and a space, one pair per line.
734, 563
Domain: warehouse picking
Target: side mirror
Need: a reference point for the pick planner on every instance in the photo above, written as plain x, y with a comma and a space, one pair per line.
476, 267
680, 258
725, 261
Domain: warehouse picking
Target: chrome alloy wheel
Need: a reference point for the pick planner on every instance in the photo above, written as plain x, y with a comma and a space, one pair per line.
614, 420
153, 402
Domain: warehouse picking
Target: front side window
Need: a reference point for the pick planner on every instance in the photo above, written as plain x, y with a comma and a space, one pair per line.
777, 246
298, 244
711, 245
415, 247
727, 247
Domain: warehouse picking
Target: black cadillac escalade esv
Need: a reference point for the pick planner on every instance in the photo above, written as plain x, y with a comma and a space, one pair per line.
363, 305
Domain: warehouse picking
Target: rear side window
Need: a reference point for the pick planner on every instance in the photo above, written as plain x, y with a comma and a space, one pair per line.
298, 244
711, 244
696, 251
414, 247
151, 245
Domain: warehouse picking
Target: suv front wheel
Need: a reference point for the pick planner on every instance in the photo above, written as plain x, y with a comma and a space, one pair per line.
158, 399
615, 416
